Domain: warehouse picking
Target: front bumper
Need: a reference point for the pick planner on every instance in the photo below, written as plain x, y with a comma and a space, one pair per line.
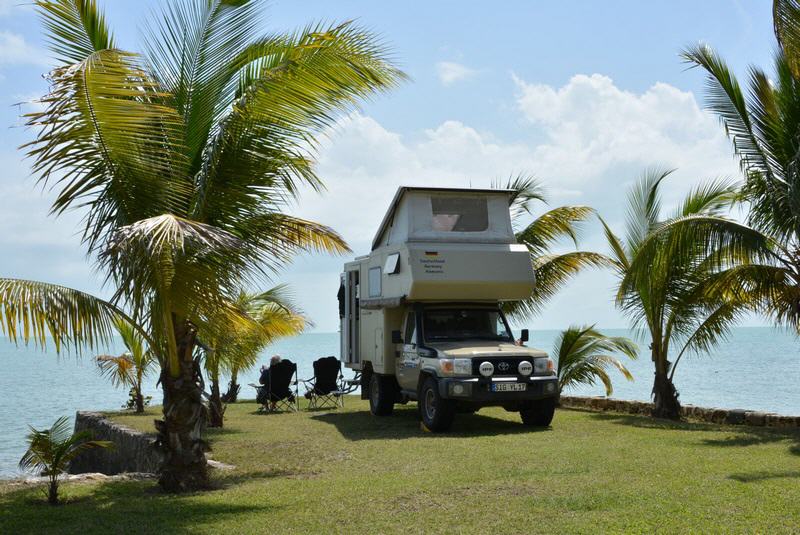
480, 389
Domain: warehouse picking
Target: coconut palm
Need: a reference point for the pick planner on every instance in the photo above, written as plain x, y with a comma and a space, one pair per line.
129, 369
275, 315
585, 356
763, 125
551, 269
184, 160
677, 279
50, 451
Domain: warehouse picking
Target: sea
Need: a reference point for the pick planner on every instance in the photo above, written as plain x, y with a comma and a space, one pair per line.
757, 368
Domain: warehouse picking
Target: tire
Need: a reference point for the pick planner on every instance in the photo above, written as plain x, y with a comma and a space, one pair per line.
381, 395
435, 412
539, 413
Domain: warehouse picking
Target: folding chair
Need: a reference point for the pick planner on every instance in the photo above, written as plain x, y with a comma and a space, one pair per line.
325, 388
278, 394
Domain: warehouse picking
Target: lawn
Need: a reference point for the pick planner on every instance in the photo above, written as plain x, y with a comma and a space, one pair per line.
348, 472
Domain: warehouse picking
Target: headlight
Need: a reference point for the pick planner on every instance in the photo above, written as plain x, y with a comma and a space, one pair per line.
455, 366
462, 366
525, 368
543, 366
486, 368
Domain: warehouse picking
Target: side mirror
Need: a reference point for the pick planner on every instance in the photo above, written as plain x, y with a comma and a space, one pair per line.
396, 337
524, 336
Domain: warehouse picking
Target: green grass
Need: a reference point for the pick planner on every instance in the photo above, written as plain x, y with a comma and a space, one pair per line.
347, 472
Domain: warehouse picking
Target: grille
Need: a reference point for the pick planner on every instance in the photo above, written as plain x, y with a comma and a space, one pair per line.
511, 368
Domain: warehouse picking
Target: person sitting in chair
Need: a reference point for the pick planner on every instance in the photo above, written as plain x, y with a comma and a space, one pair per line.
264, 379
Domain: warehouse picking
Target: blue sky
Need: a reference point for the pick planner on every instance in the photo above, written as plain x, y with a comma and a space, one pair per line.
582, 94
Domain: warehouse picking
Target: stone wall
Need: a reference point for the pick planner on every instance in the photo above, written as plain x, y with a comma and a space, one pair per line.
133, 452
690, 412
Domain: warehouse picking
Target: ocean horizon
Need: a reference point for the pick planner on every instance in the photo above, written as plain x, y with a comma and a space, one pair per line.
757, 368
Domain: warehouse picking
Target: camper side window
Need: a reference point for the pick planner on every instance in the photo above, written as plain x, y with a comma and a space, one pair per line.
410, 337
459, 214
375, 282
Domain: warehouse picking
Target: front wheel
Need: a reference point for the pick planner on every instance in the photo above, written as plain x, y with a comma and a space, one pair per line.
436, 413
381, 395
539, 413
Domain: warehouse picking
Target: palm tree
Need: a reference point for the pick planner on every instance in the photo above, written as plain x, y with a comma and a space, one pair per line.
279, 316
584, 356
184, 160
763, 126
552, 270
50, 451
676, 279
275, 316
129, 369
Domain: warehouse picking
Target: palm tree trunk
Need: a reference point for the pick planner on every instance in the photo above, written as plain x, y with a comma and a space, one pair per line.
139, 402
665, 396
217, 410
233, 388
52, 490
180, 433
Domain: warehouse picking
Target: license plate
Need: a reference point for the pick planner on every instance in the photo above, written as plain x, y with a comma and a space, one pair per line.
509, 387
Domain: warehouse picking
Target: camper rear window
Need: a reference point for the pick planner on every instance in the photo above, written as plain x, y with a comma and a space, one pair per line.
375, 282
460, 214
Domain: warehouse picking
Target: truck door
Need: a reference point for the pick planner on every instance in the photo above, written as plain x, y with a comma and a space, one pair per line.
408, 363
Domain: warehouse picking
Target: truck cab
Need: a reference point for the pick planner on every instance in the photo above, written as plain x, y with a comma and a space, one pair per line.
421, 315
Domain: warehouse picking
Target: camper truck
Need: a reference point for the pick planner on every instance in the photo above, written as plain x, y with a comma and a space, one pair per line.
421, 314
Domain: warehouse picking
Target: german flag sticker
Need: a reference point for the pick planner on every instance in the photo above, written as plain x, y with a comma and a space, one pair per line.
431, 253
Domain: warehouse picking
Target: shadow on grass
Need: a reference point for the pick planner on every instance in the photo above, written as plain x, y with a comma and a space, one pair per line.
223, 480
116, 507
404, 423
728, 435
755, 477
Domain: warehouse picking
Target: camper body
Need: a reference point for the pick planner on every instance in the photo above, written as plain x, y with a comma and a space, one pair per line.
421, 316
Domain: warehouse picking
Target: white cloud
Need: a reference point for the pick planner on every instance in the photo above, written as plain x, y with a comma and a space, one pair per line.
14, 50
450, 72
591, 125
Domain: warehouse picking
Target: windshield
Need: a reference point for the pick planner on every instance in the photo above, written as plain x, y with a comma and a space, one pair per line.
446, 324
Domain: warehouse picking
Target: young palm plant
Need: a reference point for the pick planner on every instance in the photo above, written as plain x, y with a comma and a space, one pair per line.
585, 355
129, 369
184, 160
51, 450
275, 316
676, 280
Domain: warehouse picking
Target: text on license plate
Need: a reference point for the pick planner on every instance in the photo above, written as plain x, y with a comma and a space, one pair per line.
508, 387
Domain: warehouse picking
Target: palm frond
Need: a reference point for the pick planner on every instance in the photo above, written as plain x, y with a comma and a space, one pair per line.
552, 272
786, 20
105, 142
71, 319
553, 226
644, 206
726, 99
712, 197
293, 88
527, 190
76, 29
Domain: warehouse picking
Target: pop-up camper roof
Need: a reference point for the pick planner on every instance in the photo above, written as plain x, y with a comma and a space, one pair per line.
420, 214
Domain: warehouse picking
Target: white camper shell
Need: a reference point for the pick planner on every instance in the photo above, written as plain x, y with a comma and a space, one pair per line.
435, 246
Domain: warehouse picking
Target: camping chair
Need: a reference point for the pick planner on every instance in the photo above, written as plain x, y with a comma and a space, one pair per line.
351, 385
278, 394
325, 388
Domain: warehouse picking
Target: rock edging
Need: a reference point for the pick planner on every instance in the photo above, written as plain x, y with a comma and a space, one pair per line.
703, 414
133, 452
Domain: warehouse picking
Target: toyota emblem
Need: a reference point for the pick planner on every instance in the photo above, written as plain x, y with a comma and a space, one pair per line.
503, 366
